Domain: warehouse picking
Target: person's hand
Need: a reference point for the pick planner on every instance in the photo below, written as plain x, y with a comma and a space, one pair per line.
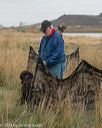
44, 62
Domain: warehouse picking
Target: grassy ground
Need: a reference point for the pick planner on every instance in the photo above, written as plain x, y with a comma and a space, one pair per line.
14, 48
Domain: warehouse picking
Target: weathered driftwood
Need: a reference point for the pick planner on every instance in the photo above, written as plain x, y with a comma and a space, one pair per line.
83, 85
72, 61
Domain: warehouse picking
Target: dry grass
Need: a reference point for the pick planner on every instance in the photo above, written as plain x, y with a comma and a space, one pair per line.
90, 48
14, 48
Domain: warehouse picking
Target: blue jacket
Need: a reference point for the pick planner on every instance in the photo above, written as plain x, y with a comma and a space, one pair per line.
51, 49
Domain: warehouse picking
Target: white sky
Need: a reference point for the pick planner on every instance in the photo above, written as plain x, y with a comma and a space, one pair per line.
12, 12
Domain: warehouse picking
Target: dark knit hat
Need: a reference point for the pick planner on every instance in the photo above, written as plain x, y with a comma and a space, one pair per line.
44, 25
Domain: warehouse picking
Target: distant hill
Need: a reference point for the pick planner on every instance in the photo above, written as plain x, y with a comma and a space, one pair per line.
82, 20
79, 23
100, 15
75, 23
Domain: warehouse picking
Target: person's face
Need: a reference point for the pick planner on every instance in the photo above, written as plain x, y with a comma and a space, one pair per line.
48, 31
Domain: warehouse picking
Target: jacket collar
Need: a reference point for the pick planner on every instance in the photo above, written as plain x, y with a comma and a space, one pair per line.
53, 30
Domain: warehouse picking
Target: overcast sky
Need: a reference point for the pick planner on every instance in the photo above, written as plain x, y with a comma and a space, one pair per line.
12, 12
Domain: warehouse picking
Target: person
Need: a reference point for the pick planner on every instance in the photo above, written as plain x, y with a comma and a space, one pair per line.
51, 50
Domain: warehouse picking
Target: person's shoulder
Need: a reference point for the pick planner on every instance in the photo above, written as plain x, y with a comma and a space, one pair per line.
57, 37
57, 34
43, 38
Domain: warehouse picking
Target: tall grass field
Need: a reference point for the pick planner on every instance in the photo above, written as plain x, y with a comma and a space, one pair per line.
14, 49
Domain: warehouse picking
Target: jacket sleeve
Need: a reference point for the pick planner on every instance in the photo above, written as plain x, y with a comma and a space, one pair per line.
40, 47
58, 46
39, 50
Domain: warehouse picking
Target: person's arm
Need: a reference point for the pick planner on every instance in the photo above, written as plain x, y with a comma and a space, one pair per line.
40, 47
39, 50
